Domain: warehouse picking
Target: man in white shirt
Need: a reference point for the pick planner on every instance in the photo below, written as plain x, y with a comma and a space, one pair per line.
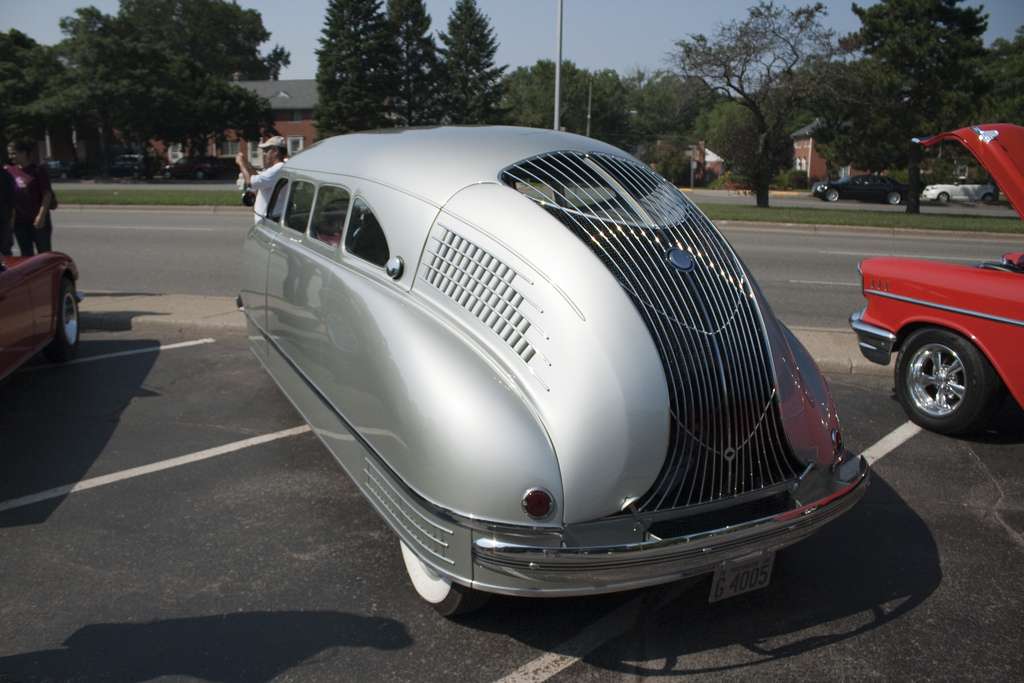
275, 151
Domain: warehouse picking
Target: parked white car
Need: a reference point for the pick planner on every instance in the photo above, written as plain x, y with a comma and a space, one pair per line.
946, 193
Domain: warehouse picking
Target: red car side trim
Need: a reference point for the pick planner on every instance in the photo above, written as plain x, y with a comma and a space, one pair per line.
951, 309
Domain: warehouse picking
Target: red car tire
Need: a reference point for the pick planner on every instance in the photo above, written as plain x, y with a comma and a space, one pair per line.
945, 383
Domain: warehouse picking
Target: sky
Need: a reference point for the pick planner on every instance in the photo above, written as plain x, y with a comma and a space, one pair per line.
622, 35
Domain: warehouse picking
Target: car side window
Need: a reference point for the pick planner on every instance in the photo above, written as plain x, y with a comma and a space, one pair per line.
329, 214
276, 207
365, 237
300, 204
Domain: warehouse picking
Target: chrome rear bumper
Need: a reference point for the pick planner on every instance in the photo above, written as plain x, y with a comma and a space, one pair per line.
660, 560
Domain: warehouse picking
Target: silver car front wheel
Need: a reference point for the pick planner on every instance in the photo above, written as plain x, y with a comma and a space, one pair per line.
447, 597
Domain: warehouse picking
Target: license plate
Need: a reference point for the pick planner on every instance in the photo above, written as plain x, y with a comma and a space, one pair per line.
742, 575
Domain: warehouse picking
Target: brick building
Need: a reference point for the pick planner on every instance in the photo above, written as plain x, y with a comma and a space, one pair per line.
292, 103
806, 157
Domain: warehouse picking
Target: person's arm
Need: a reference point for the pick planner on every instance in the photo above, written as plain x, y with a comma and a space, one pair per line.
245, 167
43, 210
47, 191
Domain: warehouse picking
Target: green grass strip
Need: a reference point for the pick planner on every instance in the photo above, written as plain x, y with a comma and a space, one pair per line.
864, 217
142, 197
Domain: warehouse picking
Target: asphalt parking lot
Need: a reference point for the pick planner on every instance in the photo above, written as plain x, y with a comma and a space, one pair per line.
165, 516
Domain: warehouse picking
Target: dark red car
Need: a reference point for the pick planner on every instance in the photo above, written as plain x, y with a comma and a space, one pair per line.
958, 330
38, 309
192, 167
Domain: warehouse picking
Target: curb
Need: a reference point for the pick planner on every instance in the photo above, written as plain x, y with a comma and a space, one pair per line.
120, 312
835, 350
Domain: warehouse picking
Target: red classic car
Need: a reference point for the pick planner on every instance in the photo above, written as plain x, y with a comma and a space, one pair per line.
958, 330
38, 309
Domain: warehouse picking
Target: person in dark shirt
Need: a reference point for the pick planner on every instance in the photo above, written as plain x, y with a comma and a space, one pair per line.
33, 198
6, 212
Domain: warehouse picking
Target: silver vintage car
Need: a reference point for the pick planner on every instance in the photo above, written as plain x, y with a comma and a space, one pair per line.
564, 379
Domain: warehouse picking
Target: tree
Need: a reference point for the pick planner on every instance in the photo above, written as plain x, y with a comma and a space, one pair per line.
528, 94
356, 68
757, 63
1004, 69
597, 104
113, 80
592, 103
25, 69
137, 77
727, 128
663, 105
919, 78
416, 101
472, 90
220, 36
204, 44
663, 112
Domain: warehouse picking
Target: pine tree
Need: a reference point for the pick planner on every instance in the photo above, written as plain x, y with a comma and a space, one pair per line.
472, 83
921, 78
416, 100
356, 68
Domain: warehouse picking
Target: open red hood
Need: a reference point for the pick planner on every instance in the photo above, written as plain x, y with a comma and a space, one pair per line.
1000, 149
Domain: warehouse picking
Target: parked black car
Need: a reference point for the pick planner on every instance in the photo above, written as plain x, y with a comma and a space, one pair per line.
869, 187
62, 169
131, 165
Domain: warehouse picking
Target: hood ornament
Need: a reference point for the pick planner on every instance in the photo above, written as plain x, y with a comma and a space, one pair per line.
985, 136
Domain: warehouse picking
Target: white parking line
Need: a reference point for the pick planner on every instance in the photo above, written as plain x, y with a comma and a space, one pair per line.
618, 621
149, 469
890, 442
105, 356
162, 347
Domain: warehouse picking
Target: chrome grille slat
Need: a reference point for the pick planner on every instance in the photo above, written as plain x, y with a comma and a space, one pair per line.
726, 437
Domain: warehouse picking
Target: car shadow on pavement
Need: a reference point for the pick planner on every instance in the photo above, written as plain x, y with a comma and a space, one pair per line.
845, 581
247, 647
1006, 426
55, 421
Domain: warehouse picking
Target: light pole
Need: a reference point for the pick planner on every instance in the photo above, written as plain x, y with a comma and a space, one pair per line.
558, 71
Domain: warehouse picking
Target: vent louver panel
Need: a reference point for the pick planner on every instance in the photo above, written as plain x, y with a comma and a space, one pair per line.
483, 285
727, 437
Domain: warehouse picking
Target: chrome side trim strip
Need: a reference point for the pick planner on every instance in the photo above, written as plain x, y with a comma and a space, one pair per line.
950, 309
